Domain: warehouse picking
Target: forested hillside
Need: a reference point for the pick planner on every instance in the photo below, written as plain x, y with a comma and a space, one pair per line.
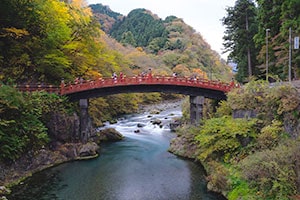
171, 44
106, 16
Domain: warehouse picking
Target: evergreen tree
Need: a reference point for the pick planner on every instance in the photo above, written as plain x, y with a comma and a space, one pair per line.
241, 26
127, 38
278, 16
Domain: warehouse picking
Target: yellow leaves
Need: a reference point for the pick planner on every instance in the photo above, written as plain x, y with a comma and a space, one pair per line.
55, 18
14, 32
140, 49
199, 73
182, 70
93, 75
270, 135
80, 12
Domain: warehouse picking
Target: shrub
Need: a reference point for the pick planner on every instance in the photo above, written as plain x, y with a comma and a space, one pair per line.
270, 135
273, 172
218, 178
221, 138
242, 190
269, 102
223, 109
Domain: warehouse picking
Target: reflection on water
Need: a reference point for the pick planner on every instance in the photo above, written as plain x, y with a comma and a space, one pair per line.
137, 168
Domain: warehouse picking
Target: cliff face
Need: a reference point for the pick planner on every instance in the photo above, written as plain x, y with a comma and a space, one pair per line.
66, 128
292, 124
184, 146
63, 128
65, 146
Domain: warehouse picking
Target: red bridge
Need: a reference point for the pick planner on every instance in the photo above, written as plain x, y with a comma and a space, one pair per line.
108, 86
82, 91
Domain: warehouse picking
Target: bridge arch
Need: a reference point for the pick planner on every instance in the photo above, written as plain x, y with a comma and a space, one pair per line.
197, 89
108, 86
82, 91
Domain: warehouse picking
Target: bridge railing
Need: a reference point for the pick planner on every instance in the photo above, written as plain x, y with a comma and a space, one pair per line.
83, 85
136, 80
38, 87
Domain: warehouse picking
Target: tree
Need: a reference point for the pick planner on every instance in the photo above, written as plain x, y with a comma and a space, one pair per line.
127, 38
142, 24
278, 16
268, 14
241, 27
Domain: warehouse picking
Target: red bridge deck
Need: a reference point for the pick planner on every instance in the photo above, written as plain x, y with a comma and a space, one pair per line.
142, 82
109, 82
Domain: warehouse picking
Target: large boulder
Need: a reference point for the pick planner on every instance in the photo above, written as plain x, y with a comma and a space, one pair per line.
109, 134
141, 125
89, 149
154, 111
156, 121
175, 124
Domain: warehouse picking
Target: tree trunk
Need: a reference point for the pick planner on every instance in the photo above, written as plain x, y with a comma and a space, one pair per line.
248, 48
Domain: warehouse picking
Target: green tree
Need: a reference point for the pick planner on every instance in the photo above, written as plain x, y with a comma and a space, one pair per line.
23, 119
241, 26
127, 38
278, 16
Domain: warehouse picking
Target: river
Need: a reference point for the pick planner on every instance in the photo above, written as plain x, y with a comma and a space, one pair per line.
137, 168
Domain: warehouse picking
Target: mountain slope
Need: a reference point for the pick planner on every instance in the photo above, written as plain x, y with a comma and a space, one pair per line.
171, 43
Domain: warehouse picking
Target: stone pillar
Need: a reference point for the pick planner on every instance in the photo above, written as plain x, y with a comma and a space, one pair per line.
84, 120
196, 109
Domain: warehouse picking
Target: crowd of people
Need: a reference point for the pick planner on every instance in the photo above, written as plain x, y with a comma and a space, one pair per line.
143, 75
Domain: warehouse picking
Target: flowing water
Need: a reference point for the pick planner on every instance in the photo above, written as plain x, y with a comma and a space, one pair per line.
137, 168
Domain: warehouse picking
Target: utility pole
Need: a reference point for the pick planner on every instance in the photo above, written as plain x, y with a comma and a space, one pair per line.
290, 54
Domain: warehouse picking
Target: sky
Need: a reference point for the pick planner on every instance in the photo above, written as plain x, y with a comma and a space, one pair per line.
203, 15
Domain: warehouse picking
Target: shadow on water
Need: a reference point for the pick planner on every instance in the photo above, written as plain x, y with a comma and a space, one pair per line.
42, 186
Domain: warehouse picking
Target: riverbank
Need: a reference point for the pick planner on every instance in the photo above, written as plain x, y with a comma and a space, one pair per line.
249, 156
15, 172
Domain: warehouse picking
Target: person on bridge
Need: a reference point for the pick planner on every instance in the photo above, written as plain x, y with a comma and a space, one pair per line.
174, 75
62, 83
121, 76
149, 73
76, 81
232, 84
114, 76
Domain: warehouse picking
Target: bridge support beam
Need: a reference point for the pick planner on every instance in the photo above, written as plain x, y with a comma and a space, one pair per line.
84, 120
196, 109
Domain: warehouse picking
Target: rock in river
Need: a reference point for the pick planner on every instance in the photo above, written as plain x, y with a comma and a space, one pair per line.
109, 134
